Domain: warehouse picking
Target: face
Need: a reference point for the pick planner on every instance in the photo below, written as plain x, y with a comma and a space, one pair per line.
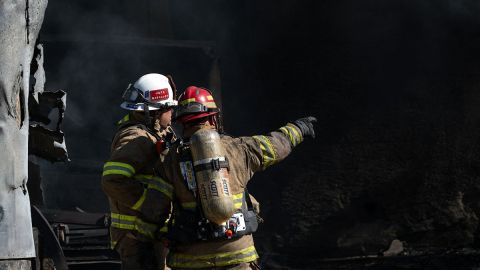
164, 117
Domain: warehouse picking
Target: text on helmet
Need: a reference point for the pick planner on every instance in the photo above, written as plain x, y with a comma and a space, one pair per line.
159, 94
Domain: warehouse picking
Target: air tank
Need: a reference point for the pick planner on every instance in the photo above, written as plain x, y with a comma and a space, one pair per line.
212, 176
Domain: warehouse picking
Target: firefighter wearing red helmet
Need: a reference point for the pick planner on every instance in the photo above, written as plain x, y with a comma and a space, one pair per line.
134, 192
195, 103
213, 215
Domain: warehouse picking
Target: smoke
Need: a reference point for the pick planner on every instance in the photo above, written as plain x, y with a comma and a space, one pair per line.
93, 51
393, 84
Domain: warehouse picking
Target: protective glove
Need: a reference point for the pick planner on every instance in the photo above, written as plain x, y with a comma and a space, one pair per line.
306, 126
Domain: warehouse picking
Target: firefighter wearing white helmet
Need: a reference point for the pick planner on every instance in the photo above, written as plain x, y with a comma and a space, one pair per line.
214, 216
151, 92
134, 191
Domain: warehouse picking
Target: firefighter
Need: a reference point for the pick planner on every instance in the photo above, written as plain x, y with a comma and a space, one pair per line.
128, 179
213, 215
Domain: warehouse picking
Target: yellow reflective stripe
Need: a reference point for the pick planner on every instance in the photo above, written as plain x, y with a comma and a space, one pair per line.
124, 119
237, 201
295, 131
121, 172
209, 98
237, 196
237, 205
164, 229
212, 260
291, 132
189, 205
122, 217
140, 201
167, 193
287, 133
156, 183
210, 104
118, 168
268, 153
119, 164
161, 185
145, 228
143, 178
123, 226
296, 135
128, 222
186, 101
123, 221
272, 156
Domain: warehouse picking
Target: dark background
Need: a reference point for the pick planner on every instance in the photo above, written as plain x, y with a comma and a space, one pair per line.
394, 85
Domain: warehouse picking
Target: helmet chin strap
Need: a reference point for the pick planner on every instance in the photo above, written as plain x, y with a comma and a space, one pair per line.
148, 118
217, 119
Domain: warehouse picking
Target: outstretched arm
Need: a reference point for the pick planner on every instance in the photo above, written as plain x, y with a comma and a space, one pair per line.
262, 151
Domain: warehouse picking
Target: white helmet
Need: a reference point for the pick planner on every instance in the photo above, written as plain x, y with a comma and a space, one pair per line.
155, 90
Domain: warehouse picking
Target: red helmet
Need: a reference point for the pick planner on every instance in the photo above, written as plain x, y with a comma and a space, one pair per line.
194, 103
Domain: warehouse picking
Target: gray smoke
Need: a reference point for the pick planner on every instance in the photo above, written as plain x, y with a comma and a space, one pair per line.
394, 85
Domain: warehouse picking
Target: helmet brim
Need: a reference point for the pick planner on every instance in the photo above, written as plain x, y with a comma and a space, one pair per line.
139, 106
191, 117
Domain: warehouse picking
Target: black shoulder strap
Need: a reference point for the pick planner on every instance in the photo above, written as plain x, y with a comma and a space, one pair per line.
248, 200
185, 154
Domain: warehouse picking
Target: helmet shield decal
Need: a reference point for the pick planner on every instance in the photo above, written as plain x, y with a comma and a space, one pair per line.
160, 94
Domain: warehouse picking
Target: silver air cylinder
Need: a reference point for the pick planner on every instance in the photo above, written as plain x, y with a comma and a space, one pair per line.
212, 177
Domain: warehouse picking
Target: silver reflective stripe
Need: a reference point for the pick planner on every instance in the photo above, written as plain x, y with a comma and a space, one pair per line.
127, 222
162, 186
156, 183
145, 228
143, 178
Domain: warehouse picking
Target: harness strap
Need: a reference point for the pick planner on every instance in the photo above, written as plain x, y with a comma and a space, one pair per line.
211, 164
248, 200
